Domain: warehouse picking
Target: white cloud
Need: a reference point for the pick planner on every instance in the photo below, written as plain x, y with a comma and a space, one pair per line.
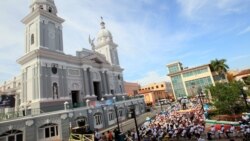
244, 31
145, 39
152, 77
208, 10
237, 58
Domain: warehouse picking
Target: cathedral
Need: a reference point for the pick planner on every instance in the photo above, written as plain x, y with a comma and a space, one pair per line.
54, 90
51, 77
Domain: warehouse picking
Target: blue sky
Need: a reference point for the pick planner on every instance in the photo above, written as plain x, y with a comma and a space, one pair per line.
150, 33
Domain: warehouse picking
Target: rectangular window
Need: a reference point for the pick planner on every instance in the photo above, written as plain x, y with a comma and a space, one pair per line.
47, 134
56, 130
11, 138
173, 69
19, 137
98, 119
120, 113
111, 116
52, 131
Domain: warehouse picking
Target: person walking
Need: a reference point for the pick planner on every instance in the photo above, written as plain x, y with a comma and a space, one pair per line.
110, 136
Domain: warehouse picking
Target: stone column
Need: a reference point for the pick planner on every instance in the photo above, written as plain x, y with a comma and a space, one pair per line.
17, 101
86, 82
91, 83
107, 81
101, 85
104, 87
122, 85
83, 82
65, 83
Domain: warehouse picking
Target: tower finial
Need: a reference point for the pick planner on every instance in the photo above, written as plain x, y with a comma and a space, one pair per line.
102, 23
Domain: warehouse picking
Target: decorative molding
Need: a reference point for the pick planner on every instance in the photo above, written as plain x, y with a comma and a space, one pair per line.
71, 115
64, 116
73, 72
47, 121
10, 127
29, 122
89, 111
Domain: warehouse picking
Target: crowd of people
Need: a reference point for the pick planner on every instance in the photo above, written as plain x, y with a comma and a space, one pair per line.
183, 120
173, 123
107, 136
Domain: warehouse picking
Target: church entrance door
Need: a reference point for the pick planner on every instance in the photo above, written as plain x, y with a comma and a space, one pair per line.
75, 98
97, 90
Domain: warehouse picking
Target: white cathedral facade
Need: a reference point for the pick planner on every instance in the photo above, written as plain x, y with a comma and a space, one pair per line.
50, 79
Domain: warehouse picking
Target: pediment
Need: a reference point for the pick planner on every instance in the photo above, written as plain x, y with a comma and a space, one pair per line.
98, 58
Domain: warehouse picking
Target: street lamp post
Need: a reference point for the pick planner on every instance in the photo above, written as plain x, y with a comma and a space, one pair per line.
117, 120
199, 94
201, 101
136, 126
160, 104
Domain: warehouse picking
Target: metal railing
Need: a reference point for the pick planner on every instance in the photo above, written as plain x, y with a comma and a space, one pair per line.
19, 114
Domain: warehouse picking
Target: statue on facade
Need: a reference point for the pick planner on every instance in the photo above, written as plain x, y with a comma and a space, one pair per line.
91, 42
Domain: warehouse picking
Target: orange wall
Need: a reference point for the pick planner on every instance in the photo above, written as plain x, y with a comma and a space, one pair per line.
131, 87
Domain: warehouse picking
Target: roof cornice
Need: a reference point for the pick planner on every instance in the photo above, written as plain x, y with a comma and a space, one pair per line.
38, 12
187, 70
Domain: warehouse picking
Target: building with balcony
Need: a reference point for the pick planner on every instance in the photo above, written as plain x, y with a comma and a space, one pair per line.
187, 81
56, 91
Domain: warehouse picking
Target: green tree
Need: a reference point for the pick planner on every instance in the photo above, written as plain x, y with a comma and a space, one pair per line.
219, 66
247, 81
227, 97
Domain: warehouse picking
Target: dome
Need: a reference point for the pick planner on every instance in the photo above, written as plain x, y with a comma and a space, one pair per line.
104, 36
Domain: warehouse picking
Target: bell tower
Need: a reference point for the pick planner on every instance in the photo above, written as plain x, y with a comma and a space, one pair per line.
106, 46
43, 28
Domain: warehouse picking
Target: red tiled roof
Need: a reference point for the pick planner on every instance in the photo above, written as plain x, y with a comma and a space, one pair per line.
243, 72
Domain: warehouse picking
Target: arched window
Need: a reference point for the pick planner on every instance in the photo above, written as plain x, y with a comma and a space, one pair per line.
111, 115
12, 135
98, 119
120, 112
32, 39
48, 131
81, 121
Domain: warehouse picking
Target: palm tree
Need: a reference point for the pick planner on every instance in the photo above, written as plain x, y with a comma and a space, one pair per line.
219, 66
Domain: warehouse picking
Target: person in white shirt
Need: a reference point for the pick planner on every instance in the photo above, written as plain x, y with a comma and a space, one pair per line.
211, 132
97, 135
200, 139
221, 131
231, 130
247, 132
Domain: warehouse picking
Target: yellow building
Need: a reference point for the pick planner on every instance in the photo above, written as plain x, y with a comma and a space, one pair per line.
156, 91
187, 81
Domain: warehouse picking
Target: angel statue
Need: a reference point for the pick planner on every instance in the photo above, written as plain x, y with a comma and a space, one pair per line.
91, 42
